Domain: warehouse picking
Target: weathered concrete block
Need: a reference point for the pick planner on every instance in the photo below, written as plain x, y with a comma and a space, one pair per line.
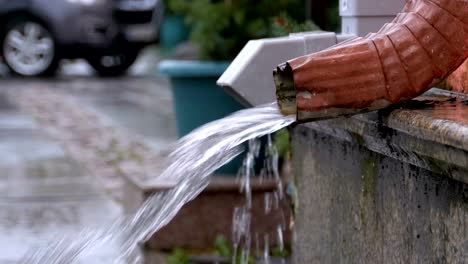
387, 187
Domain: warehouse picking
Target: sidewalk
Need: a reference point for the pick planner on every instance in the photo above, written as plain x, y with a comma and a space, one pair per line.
43, 193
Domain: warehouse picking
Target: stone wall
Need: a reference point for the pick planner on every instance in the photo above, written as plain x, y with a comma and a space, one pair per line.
363, 197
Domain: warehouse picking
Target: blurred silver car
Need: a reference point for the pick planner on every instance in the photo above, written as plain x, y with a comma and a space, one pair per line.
109, 34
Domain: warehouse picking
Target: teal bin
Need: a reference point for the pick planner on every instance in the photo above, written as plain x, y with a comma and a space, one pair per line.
173, 31
197, 98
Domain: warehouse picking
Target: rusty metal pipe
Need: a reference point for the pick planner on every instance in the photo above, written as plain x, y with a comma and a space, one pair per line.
426, 42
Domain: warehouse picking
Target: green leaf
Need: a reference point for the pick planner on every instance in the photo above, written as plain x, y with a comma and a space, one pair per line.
281, 140
222, 246
178, 256
278, 252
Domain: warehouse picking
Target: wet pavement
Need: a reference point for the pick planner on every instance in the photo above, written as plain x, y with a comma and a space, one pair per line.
138, 105
44, 191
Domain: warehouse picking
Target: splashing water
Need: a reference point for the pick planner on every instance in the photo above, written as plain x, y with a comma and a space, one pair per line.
242, 215
195, 158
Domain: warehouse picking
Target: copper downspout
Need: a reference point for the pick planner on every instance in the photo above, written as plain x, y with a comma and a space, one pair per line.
425, 43
458, 80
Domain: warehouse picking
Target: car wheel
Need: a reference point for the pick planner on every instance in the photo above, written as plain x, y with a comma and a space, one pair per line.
29, 48
114, 64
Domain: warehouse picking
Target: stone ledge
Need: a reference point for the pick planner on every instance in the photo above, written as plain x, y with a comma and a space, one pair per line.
430, 132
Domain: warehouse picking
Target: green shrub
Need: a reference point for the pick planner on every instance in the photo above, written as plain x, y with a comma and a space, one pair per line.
221, 28
177, 7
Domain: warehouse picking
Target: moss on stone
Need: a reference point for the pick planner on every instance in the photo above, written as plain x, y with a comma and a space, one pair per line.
369, 176
359, 139
465, 196
437, 165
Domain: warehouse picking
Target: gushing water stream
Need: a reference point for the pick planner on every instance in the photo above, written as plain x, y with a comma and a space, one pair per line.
242, 217
194, 159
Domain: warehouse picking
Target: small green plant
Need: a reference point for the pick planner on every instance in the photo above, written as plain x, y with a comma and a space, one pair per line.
279, 252
282, 142
178, 256
284, 24
224, 249
222, 246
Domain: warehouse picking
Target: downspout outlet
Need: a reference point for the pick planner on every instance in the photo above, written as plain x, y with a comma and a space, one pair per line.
285, 91
369, 73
